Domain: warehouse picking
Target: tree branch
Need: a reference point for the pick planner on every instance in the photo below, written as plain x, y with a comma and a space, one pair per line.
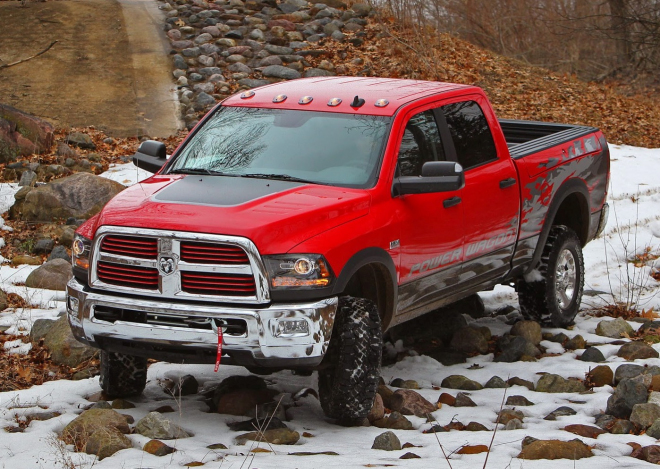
2, 66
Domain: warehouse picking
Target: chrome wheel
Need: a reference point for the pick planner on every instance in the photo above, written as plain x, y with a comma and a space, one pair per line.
565, 278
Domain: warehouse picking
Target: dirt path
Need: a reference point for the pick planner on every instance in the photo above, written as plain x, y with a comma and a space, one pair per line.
110, 68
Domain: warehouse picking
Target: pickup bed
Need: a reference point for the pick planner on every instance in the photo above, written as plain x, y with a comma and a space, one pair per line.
301, 220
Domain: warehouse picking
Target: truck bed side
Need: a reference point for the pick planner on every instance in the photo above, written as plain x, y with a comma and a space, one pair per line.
563, 172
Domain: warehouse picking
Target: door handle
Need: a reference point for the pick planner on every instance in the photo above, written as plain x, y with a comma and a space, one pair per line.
451, 202
504, 183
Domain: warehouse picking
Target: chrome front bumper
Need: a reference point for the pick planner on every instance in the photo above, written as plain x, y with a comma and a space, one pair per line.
260, 344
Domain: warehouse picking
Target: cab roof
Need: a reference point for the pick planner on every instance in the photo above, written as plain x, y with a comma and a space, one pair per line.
395, 91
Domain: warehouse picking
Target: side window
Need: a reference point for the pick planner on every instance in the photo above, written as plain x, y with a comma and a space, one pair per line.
470, 132
421, 143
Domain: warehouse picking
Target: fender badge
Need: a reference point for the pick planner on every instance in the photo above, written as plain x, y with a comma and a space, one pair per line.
394, 244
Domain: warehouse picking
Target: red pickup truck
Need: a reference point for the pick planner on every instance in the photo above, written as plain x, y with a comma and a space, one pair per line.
300, 220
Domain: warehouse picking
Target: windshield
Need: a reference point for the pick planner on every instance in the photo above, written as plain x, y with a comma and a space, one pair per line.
317, 147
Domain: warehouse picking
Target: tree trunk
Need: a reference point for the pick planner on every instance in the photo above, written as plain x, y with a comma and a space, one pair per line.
620, 25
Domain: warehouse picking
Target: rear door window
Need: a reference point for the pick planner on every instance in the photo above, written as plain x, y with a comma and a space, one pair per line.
470, 134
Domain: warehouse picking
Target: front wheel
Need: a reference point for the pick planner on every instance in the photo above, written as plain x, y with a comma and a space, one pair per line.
348, 384
122, 375
552, 293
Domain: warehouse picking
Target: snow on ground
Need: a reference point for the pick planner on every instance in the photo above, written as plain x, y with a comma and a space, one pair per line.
634, 224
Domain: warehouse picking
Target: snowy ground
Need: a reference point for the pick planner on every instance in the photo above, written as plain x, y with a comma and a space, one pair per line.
633, 226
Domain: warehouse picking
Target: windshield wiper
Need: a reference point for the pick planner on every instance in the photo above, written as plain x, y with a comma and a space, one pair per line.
196, 171
283, 177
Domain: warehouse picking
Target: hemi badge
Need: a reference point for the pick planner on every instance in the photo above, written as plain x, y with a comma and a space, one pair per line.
394, 244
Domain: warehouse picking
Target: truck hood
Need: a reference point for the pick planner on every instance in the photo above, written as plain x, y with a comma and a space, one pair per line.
276, 215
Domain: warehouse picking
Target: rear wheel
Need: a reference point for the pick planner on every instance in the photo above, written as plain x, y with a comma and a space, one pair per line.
122, 375
348, 384
551, 295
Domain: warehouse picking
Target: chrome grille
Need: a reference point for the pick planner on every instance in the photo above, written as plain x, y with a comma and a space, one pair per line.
178, 265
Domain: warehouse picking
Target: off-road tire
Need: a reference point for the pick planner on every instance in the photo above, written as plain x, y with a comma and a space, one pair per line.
122, 375
539, 299
348, 384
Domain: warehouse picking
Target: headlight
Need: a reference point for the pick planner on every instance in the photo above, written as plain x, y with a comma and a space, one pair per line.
298, 271
80, 252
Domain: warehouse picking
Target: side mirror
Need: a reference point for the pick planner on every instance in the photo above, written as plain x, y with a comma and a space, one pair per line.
151, 156
437, 176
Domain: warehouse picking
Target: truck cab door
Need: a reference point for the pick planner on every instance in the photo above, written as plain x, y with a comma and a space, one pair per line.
491, 198
431, 224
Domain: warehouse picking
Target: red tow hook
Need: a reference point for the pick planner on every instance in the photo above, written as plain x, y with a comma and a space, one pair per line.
218, 355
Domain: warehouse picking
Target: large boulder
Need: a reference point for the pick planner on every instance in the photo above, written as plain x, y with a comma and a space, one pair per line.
64, 348
556, 449
555, 383
628, 393
52, 275
106, 442
22, 134
155, 426
409, 402
79, 430
79, 196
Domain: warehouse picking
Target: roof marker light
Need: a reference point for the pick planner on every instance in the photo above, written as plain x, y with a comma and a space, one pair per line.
279, 98
305, 100
382, 103
334, 102
247, 94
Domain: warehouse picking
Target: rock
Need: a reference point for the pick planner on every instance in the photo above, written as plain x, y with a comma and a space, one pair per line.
204, 100
600, 376
649, 328
377, 411
22, 134
575, 343
556, 449
394, 421
448, 357
562, 411
78, 431
387, 441
52, 275
460, 382
654, 430
105, 442
185, 386
29, 260
240, 395
472, 449
518, 401
59, 252
40, 328
278, 436
514, 348
317, 72
122, 404
586, 431
648, 453
622, 427
637, 350
509, 414
626, 395
462, 400
614, 328
644, 415
515, 381
361, 9
513, 424
446, 399
158, 448
409, 402
495, 383
469, 340
279, 71
554, 383
627, 371
558, 338
64, 348
405, 384
28, 178
81, 140
386, 394
217, 446
592, 354
155, 426
476, 427
102, 404
530, 330
81, 195
247, 425
410, 455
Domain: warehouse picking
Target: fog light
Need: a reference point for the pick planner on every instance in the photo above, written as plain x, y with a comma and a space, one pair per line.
292, 328
73, 304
